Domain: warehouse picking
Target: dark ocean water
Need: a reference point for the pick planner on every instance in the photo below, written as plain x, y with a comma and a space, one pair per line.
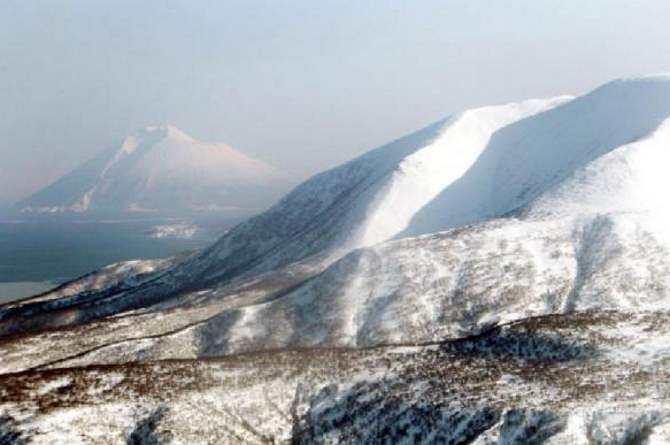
37, 255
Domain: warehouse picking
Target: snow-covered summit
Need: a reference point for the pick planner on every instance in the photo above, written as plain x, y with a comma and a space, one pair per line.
162, 169
369, 199
531, 157
477, 165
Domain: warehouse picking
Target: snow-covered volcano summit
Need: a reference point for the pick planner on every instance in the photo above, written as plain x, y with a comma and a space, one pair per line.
162, 169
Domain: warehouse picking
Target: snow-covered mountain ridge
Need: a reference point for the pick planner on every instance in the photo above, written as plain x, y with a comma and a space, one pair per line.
370, 199
501, 276
481, 164
568, 180
162, 169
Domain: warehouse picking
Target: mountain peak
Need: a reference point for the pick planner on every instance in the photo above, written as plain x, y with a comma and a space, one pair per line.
638, 88
173, 132
164, 131
661, 76
161, 168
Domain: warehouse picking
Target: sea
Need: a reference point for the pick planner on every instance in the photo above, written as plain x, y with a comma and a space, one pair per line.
39, 254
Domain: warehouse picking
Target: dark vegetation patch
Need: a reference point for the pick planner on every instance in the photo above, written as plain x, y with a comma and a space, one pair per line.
11, 432
147, 431
372, 413
520, 345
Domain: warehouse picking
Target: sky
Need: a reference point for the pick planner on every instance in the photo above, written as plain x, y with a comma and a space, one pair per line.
303, 85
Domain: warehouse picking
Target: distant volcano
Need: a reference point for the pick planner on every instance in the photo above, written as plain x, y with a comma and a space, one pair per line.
162, 169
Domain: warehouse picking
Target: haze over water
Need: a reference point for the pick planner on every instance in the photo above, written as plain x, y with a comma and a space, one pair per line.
36, 255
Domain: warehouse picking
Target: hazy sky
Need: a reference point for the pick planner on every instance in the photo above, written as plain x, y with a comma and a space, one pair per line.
301, 84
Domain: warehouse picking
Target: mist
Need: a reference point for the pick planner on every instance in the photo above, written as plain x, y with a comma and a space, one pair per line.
301, 85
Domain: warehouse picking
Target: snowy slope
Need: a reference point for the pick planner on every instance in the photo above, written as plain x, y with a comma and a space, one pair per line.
591, 230
500, 277
162, 169
367, 200
559, 380
480, 164
455, 284
630, 178
528, 158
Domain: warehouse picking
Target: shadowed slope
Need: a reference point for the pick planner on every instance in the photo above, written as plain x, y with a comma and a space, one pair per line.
528, 158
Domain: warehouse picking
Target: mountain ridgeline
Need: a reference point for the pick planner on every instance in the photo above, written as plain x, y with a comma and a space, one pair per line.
501, 276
